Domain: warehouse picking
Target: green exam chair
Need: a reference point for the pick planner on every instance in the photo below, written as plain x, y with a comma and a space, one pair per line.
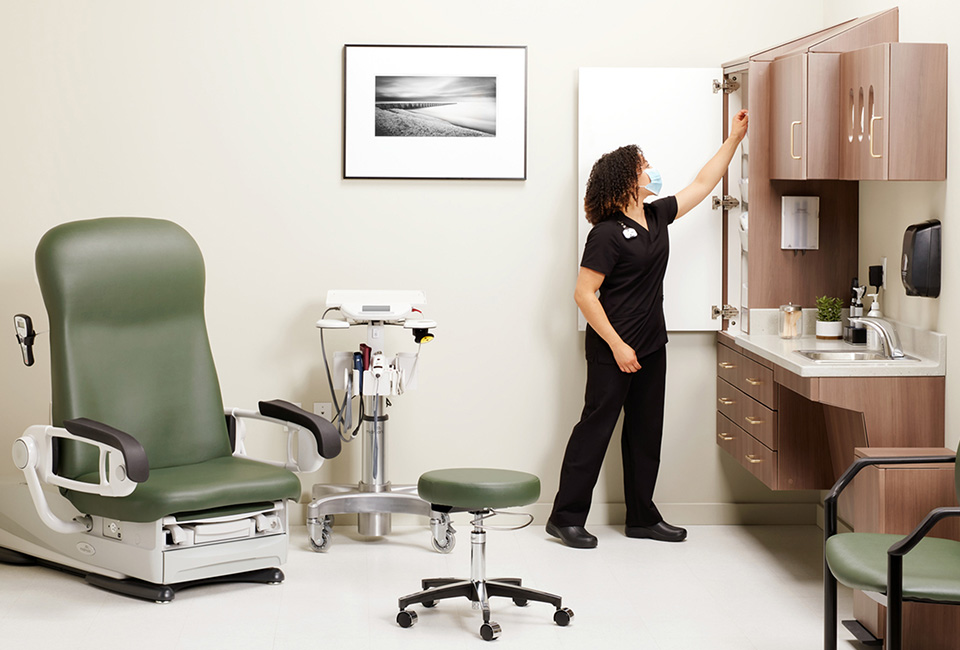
889, 568
142, 484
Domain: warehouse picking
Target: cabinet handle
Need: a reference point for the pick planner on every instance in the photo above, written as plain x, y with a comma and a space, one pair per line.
872, 120
752, 381
726, 366
792, 128
753, 459
752, 420
725, 401
725, 437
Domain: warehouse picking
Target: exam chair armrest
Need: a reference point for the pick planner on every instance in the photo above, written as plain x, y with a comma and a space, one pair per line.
121, 466
134, 455
830, 501
326, 435
310, 438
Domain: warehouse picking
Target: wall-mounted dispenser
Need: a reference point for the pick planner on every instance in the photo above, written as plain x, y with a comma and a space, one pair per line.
920, 262
800, 223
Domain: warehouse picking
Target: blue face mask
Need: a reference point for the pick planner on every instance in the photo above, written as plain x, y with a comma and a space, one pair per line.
656, 181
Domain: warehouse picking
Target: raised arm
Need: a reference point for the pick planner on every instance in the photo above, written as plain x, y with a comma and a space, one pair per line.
713, 171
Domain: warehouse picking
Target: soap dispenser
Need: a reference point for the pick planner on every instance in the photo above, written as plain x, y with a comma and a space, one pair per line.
876, 279
873, 340
855, 334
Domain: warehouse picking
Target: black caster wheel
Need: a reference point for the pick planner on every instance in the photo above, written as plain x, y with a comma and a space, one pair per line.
406, 618
563, 616
429, 603
490, 631
521, 602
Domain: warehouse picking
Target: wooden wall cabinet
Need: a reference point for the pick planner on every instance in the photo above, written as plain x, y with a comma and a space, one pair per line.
804, 104
893, 120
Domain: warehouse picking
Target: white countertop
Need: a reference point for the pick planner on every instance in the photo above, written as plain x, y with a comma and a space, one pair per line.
929, 348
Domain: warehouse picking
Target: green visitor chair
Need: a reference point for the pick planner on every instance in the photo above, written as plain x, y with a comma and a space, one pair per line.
892, 569
141, 483
480, 492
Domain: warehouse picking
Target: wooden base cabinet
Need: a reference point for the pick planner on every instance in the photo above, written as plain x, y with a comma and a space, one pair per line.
894, 499
775, 434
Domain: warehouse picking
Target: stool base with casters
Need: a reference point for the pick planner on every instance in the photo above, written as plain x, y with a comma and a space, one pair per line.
465, 488
373, 510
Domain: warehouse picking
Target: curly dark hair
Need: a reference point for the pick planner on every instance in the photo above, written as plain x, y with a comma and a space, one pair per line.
612, 182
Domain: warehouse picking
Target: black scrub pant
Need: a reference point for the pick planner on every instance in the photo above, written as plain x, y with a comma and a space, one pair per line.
641, 396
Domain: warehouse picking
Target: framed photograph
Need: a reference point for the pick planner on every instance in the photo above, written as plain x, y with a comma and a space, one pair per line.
434, 111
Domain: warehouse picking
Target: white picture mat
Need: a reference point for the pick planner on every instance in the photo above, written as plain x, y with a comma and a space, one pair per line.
502, 156
676, 119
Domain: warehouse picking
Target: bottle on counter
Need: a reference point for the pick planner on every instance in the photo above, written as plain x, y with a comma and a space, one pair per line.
856, 334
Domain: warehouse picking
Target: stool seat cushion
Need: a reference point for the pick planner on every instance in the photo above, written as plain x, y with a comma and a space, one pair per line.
478, 488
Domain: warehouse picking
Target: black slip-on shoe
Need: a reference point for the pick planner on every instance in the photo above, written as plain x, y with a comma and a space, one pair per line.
572, 536
662, 532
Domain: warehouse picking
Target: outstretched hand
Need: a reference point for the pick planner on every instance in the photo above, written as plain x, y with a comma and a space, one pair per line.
738, 126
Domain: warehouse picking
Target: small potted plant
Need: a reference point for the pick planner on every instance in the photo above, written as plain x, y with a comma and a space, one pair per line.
829, 325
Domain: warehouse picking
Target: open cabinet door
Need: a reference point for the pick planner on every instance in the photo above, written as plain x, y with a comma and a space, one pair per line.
676, 118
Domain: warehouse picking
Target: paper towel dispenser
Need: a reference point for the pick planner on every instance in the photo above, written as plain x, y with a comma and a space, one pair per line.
920, 263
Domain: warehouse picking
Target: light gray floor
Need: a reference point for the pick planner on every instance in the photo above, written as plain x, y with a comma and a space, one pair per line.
725, 588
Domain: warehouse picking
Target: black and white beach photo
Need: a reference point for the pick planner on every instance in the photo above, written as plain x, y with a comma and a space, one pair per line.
435, 111
433, 106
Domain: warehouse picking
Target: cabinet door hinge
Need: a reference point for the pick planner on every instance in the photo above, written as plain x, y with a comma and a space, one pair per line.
727, 202
728, 86
728, 312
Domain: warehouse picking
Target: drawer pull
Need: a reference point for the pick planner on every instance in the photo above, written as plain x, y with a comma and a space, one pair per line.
753, 459
726, 365
753, 381
725, 401
752, 420
725, 437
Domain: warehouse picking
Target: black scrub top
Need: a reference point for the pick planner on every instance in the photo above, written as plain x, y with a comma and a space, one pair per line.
633, 267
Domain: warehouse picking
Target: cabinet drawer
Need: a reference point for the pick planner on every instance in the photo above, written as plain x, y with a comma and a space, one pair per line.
757, 382
760, 461
729, 436
747, 413
728, 364
759, 421
729, 399
753, 455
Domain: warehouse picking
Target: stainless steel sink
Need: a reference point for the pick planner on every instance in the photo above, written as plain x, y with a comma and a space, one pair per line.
850, 356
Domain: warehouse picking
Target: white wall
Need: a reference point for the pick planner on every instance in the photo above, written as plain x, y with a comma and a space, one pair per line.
226, 117
886, 209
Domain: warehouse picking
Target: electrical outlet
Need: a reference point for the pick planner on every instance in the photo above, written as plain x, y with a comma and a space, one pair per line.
884, 263
323, 409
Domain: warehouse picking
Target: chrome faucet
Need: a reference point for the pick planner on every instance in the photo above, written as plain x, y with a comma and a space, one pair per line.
888, 334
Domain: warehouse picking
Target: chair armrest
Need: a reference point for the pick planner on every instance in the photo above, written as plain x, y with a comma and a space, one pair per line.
895, 562
909, 542
134, 455
310, 438
830, 501
33, 455
326, 435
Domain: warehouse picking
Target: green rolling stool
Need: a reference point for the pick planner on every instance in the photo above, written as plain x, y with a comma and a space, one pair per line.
479, 492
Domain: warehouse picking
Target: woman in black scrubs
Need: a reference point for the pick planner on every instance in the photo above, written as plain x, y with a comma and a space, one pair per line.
625, 259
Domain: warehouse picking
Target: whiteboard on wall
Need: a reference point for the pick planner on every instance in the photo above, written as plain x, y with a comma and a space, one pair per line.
676, 119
